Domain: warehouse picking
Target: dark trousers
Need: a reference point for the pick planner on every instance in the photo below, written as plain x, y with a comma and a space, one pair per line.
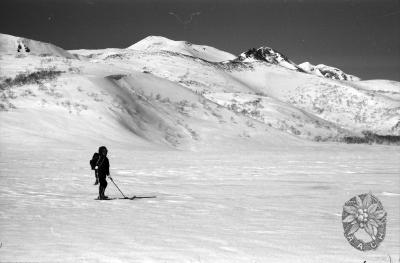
102, 185
103, 181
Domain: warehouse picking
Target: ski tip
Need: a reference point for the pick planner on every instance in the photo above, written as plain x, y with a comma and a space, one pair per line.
142, 197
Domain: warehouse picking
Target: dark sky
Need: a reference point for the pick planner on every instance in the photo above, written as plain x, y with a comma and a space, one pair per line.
362, 37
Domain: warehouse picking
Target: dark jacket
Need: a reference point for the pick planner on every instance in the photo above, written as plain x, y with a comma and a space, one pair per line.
104, 166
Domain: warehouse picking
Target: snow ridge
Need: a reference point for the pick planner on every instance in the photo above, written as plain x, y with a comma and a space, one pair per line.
327, 71
272, 56
19, 45
158, 43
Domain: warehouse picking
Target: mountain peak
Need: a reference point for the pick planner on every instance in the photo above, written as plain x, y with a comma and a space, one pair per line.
149, 41
269, 55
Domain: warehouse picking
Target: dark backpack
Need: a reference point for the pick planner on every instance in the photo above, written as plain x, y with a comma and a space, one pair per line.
94, 160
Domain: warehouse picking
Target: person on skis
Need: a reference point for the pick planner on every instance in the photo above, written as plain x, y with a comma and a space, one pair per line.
102, 170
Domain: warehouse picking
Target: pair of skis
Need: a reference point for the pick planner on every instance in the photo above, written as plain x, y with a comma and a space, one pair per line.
124, 196
129, 198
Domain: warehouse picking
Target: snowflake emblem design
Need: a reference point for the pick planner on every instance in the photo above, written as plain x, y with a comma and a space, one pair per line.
364, 213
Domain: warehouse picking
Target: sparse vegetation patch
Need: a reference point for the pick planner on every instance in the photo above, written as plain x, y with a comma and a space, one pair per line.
373, 138
36, 77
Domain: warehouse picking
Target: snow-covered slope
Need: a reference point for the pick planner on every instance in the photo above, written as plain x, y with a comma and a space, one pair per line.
345, 104
279, 115
18, 45
157, 43
117, 104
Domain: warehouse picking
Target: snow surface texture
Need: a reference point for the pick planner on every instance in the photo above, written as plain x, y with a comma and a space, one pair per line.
278, 205
227, 146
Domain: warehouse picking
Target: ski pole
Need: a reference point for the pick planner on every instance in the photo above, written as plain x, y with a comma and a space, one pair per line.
117, 187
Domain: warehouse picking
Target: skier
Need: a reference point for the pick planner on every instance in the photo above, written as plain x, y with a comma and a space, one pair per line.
102, 170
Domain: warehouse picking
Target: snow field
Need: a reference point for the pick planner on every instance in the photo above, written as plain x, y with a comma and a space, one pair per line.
277, 205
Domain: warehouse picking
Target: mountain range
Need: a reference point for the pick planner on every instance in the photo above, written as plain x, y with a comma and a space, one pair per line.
164, 93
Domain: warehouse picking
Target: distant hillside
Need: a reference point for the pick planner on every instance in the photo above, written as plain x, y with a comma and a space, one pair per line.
19, 46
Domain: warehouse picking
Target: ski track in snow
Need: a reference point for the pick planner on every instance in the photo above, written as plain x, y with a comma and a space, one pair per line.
276, 205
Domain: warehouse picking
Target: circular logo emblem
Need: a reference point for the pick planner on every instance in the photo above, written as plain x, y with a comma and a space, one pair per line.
364, 222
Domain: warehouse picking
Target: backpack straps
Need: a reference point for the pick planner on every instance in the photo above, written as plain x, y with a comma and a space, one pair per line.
98, 160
